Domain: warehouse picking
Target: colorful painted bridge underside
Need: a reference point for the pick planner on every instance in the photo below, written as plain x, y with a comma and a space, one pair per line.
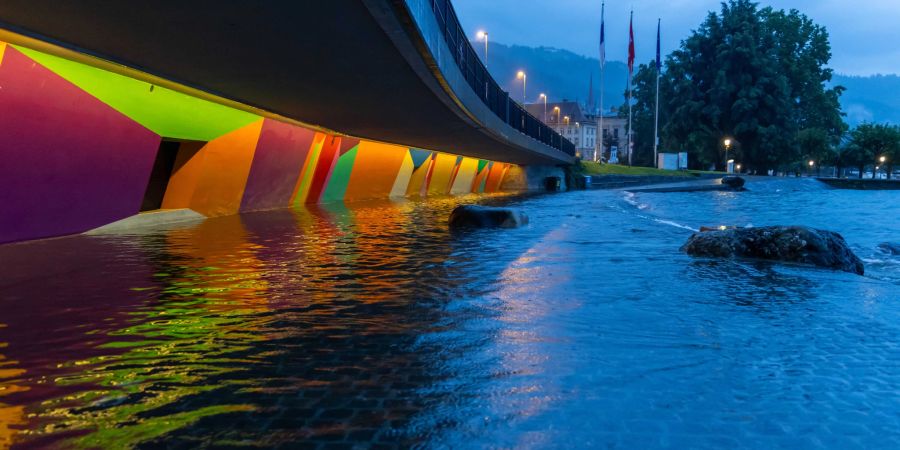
83, 147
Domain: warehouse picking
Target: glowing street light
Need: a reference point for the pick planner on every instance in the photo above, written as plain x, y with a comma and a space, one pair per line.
522, 76
483, 36
544, 97
882, 159
738, 167
727, 143
812, 163
558, 114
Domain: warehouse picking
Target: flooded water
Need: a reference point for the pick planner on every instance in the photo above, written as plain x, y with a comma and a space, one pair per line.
344, 327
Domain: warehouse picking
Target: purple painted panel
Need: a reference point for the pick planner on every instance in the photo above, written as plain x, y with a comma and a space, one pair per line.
280, 154
68, 162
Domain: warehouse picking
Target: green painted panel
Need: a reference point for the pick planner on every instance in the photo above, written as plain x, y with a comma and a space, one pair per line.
340, 177
481, 165
167, 113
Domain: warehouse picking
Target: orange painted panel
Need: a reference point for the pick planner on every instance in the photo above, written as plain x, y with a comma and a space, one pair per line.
185, 175
226, 166
2, 49
442, 172
375, 170
495, 178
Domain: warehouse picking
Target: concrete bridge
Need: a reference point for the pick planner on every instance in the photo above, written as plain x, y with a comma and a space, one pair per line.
249, 105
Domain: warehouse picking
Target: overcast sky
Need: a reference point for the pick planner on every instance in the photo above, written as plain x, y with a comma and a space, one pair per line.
865, 34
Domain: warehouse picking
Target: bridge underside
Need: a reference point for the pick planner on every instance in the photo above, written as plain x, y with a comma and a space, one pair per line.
331, 64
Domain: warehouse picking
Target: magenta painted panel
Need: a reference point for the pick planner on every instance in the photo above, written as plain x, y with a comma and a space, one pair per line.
280, 154
69, 162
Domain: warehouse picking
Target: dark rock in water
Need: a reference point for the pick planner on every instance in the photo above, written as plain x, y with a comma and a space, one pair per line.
790, 244
734, 182
469, 216
890, 248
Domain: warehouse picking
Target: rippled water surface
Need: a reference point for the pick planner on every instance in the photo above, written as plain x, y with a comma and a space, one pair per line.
347, 326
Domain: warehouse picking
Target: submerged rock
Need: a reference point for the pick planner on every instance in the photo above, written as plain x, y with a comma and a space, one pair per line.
734, 182
890, 248
790, 244
470, 216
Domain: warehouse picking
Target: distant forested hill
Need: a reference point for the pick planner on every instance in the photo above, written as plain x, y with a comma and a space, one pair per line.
566, 75
870, 99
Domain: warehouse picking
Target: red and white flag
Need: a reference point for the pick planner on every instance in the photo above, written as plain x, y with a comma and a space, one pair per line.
631, 44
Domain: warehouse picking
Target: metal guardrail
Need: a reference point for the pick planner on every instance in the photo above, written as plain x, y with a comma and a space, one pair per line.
487, 88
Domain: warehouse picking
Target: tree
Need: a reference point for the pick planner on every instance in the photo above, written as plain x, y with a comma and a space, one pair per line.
815, 146
757, 76
869, 142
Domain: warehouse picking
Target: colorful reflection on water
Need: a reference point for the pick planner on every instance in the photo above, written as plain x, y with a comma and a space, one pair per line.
375, 324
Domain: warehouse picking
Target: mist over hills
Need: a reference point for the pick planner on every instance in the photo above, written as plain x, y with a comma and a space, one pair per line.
562, 74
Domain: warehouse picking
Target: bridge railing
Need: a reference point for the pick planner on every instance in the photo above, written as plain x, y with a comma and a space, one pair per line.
487, 88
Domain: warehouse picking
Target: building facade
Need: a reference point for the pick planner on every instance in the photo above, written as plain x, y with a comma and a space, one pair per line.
580, 126
569, 120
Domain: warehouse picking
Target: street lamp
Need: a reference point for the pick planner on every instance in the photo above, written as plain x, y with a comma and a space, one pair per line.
544, 97
738, 168
558, 114
483, 36
522, 76
727, 143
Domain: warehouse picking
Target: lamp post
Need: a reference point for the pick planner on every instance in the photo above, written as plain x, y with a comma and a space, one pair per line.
727, 143
811, 165
544, 98
738, 168
558, 118
522, 76
881, 160
483, 36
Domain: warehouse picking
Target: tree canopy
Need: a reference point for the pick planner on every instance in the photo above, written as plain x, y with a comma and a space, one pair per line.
755, 75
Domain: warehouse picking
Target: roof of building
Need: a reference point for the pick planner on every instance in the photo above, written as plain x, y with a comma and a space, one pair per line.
567, 108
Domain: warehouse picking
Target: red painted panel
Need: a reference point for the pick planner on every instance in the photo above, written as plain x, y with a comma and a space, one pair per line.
280, 154
327, 159
69, 162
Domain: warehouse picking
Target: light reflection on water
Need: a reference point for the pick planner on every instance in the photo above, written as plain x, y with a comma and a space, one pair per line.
374, 323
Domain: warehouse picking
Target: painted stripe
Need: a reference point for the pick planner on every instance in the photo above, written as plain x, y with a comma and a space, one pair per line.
340, 177
309, 169
324, 168
465, 177
401, 183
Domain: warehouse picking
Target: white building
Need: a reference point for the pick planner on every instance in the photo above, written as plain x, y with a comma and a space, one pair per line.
569, 119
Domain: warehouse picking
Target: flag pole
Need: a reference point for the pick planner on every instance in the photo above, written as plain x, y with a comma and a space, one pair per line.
656, 120
599, 146
630, 70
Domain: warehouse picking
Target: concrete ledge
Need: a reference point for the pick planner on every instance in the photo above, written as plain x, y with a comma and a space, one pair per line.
862, 185
150, 221
625, 181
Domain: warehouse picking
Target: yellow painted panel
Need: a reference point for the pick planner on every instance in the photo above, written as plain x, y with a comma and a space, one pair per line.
440, 176
2, 49
464, 177
417, 180
309, 169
